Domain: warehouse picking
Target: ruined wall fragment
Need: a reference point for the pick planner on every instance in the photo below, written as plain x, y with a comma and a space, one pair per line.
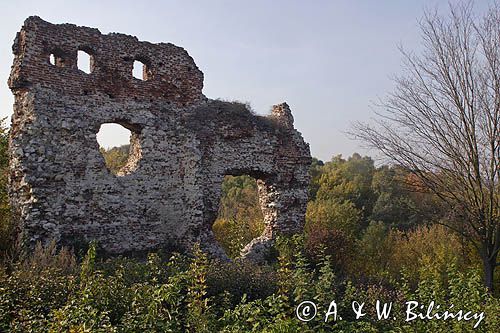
182, 146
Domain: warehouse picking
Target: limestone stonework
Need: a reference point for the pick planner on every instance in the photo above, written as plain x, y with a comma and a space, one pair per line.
182, 146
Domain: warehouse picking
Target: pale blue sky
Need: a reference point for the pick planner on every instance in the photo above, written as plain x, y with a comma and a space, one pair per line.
328, 59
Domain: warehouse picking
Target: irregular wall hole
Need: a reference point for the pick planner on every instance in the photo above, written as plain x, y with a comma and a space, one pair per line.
240, 218
83, 61
57, 59
139, 71
120, 148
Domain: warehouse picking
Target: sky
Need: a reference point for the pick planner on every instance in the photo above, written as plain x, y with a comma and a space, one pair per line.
329, 60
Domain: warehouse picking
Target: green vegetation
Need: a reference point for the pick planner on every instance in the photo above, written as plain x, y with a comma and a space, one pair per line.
423, 229
240, 219
115, 158
372, 233
6, 227
50, 292
442, 122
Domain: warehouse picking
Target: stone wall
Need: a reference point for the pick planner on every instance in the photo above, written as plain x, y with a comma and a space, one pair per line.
182, 146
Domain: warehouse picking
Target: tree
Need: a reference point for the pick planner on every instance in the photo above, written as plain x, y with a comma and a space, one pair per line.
315, 171
348, 181
333, 214
442, 122
116, 157
399, 205
240, 218
6, 226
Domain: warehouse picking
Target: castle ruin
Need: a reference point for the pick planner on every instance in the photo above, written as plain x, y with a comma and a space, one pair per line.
182, 146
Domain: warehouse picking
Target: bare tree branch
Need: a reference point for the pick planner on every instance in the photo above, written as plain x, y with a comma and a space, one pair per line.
442, 122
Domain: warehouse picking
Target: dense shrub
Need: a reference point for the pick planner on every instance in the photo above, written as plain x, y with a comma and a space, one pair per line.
339, 246
241, 278
52, 293
427, 246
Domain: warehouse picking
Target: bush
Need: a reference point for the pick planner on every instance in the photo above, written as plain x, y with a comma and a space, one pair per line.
335, 243
241, 278
52, 293
429, 246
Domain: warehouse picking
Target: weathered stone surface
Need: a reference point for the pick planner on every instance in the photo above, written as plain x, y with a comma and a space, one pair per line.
182, 146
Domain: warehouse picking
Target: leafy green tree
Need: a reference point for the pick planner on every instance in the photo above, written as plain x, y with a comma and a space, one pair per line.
240, 218
333, 214
315, 171
6, 227
343, 195
115, 158
348, 180
398, 203
373, 250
